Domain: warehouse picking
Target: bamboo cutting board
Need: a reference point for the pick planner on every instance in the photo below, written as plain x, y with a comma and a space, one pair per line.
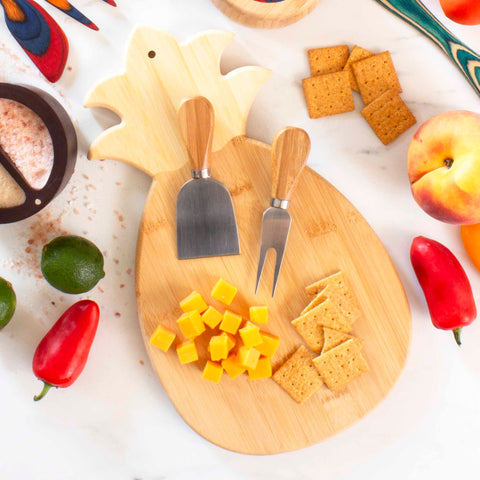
328, 234
266, 13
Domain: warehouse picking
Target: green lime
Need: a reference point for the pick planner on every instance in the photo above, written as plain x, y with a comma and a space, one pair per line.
72, 264
8, 302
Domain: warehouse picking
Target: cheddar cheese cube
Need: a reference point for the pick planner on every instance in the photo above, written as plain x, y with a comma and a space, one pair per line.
212, 371
193, 302
162, 338
231, 366
269, 344
259, 314
250, 335
191, 324
212, 317
262, 370
230, 322
224, 292
218, 347
231, 341
187, 352
248, 357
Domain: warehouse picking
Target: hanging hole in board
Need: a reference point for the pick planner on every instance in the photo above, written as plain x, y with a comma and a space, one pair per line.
38, 201
152, 54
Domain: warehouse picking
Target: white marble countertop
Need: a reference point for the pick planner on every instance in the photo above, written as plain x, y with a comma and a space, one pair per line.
116, 422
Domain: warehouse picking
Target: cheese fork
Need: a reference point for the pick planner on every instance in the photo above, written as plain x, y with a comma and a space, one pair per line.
290, 150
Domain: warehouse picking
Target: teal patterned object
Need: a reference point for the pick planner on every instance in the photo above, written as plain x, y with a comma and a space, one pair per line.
416, 14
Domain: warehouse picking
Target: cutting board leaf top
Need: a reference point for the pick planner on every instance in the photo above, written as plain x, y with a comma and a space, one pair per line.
159, 74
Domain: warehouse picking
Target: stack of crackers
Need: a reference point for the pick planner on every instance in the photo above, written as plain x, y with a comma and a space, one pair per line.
325, 324
335, 72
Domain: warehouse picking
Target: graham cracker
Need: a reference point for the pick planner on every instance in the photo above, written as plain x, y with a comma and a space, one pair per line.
388, 116
342, 364
375, 75
340, 293
310, 331
327, 60
327, 314
298, 376
332, 338
317, 300
328, 94
357, 54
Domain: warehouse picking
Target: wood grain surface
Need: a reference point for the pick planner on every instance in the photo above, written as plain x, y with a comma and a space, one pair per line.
327, 234
291, 147
266, 15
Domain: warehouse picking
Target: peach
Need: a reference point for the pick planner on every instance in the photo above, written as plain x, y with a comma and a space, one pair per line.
444, 167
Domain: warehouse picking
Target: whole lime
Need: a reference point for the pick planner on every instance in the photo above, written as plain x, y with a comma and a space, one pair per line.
8, 302
72, 264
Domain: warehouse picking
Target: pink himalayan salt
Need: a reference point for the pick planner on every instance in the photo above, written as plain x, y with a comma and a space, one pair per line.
25, 139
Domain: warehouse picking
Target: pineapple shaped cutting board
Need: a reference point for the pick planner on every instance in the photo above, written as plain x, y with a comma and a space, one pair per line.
266, 13
328, 234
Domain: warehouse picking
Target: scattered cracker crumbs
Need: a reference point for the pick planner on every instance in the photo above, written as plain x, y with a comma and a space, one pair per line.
327, 59
357, 54
375, 75
328, 94
388, 116
342, 364
298, 376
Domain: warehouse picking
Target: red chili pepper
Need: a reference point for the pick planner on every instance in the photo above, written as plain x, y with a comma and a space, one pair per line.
445, 285
61, 355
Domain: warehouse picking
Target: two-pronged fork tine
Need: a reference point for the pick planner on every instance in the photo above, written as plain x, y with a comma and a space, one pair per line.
290, 150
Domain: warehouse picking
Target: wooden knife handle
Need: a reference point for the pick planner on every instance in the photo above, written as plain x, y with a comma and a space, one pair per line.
415, 13
196, 119
290, 150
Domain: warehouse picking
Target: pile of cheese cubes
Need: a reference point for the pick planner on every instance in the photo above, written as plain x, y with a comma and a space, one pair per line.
254, 347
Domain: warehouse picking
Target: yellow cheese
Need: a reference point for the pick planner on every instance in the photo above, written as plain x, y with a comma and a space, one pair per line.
187, 352
262, 370
218, 347
250, 335
259, 314
162, 338
248, 357
193, 302
232, 367
212, 317
191, 324
231, 341
269, 344
212, 371
224, 292
230, 322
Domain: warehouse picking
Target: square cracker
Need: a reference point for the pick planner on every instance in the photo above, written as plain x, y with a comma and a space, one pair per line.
328, 94
310, 331
339, 292
388, 116
375, 75
327, 60
317, 300
342, 364
357, 54
298, 376
333, 338
327, 314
